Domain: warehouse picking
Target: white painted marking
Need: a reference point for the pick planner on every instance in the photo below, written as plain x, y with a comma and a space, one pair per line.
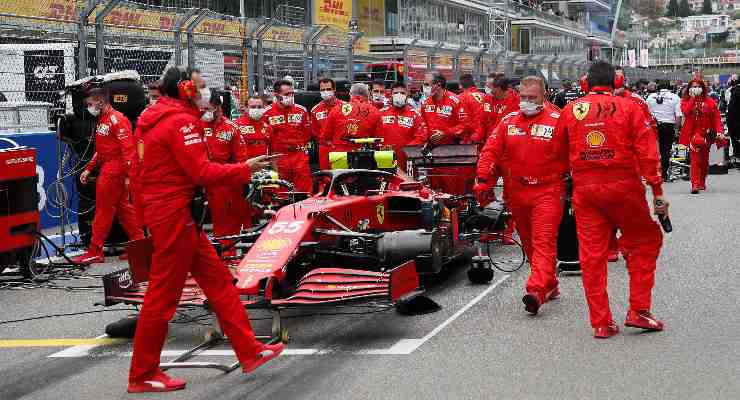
77, 351
402, 347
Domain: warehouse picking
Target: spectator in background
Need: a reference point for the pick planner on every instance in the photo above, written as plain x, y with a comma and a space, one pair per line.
2, 98
733, 119
665, 106
567, 94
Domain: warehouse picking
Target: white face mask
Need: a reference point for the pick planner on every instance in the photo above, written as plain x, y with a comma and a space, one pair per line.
93, 110
529, 109
208, 116
399, 99
256, 113
426, 90
205, 95
695, 91
327, 94
378, 98
287, 101
489, 91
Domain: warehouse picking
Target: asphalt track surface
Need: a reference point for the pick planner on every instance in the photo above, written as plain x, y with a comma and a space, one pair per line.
481, 345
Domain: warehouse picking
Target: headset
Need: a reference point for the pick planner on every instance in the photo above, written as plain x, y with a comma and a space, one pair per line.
619, 82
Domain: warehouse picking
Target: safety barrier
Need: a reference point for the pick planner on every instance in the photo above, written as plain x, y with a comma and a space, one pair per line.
47, 44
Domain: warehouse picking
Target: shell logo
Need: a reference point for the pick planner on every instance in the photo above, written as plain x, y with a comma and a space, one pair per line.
273, 244
595, 139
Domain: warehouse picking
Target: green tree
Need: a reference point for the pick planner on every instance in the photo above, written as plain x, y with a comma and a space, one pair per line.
684, 10
707, 7
672, 8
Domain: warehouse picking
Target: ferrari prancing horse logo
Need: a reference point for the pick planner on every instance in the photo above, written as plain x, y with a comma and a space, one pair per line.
580, 110
380, 213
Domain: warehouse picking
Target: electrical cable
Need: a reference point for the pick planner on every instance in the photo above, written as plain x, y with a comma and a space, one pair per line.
13, 321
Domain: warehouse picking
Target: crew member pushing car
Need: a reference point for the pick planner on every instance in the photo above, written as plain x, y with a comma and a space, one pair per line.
175, 164
535, 186
611, 147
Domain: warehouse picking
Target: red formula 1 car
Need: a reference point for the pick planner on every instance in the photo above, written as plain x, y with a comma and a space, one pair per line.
361, 236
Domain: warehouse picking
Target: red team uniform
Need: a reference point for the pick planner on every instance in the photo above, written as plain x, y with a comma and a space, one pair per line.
289, 130
319, 116
402, 127
611, 147
535, 188
115, 158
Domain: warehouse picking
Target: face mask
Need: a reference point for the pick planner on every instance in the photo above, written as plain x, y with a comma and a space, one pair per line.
287, 101
93, 110
489, 91
377, 98
256, 113
427, 90
208, 116
529, 109
205, 93
327, 94
695, 91
399, 100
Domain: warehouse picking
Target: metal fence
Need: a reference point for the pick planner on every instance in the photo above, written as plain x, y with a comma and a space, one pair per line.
47, 44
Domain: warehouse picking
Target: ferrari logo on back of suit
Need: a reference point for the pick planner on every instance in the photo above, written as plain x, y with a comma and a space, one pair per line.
380, 213
580, 110
346, 108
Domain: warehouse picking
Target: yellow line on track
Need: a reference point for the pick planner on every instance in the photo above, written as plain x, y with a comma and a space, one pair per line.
13, 343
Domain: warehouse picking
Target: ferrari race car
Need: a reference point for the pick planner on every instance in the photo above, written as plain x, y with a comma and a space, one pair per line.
361, 235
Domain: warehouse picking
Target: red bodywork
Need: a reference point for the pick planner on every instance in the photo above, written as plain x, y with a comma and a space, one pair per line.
19, 215
299, 258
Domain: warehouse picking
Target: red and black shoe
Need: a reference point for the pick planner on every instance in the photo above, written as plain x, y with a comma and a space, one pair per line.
694, 190
532, 302
643, 320
605, 332
161, 382
91, 256
268, 352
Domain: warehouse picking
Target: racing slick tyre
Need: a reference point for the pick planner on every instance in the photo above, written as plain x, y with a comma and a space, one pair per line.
123, 328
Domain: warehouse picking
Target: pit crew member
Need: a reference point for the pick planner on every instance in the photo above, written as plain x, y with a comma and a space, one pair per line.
115, 153
447, 123
175, 163
504, 101
702, 127
535, 186
353, 120
610, 148
402, 125
225, 146
289, 128
474, 104
377, 94
319, 116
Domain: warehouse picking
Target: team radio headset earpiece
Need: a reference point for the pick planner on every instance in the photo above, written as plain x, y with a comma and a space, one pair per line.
618, 82
186, 89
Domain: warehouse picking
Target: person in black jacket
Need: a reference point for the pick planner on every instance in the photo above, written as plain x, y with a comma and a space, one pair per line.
566, 95
733, 122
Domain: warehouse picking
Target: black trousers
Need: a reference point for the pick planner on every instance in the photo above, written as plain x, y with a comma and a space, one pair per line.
666, 135
735, 138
